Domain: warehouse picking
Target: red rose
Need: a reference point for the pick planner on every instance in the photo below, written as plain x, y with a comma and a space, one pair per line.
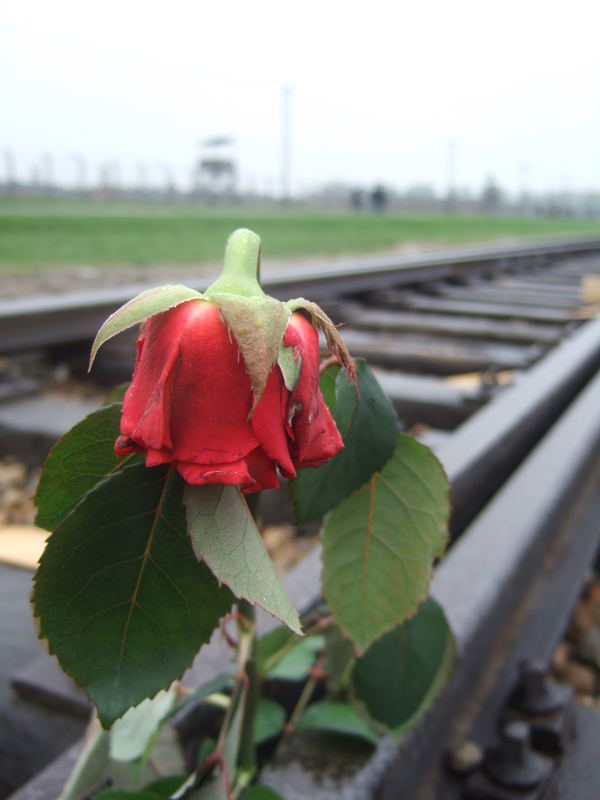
190, 403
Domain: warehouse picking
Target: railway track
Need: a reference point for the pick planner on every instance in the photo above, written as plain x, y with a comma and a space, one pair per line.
492, 357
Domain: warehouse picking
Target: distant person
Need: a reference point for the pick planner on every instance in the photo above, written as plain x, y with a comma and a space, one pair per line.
379, 199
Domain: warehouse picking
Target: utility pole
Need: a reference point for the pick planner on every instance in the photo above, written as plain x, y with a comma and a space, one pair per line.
451, 147
523, 175
286, 143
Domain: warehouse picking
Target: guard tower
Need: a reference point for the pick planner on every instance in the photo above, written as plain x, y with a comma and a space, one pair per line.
215, 175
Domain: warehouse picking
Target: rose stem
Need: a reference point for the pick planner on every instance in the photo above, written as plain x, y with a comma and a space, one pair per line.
247, 643
316, 674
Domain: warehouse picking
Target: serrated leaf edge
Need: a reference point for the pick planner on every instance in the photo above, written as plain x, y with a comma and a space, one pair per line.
46, 642
297, 629
421, 597
435, 688
119, 465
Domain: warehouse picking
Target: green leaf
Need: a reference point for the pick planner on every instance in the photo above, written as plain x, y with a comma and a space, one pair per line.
79, 460
335, 718
146, 304
119, 594
133, 735
327, 382
271, 648
269, 720
282, 655
165, 787
224, 536
216, 684
257, 324
117, 395
122, 794
339, 657
91, 765
400, 675
260, 793
163, 755
299, 660
368, 428
380, 543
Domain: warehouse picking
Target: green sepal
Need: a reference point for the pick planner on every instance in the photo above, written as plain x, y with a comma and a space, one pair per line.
256, 321
335, 343
241, 266
147, 304
289, 366
257, 325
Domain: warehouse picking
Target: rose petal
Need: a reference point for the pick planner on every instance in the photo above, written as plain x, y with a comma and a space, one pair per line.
190, 392
315, 436
254, 472
156, 457
263, 471
269, 425
212, 394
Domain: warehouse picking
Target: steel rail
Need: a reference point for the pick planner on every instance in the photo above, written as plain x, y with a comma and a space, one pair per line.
546, 514
40, 321
541, 420
486, 573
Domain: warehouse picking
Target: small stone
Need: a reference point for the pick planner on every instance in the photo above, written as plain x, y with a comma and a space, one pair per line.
586, 700
11, 498
17, 489
465, 757
588, 646
583, 679
594, 601
12, 473
582, 618
561, 658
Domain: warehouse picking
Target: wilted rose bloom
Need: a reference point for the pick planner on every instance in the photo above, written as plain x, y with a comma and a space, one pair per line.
190, 400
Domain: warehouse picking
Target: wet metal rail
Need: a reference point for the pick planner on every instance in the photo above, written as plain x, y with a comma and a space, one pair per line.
492, 357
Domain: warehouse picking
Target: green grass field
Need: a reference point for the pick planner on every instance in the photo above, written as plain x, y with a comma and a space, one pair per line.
35, 233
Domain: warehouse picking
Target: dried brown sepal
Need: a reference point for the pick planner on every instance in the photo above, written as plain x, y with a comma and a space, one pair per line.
335, 343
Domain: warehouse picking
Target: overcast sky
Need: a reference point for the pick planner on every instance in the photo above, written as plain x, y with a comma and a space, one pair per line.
398, 92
